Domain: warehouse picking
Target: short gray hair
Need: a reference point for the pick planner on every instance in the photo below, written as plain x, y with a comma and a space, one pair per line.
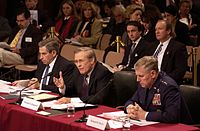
148, 62
51, 44
89, 52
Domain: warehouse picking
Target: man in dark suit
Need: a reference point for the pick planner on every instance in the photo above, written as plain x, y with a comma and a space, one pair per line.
23, 42
171, 55
136, 48
158, 97
88, 79
51, 61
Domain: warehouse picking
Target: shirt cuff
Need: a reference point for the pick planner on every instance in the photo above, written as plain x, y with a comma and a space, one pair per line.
62, 91
75, 100
145, 116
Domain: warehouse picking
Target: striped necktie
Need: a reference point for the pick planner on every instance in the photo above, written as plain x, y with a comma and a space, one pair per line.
158, 51
15, 41
84, 90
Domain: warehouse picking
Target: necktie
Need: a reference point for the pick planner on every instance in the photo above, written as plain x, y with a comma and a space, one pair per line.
158, 51
84, 90
131, 52
15, 41
44, 82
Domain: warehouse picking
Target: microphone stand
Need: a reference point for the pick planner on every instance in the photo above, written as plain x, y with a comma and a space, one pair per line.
83, 118
19, 101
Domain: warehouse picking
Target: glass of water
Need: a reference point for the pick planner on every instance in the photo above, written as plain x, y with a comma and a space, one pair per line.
70, 110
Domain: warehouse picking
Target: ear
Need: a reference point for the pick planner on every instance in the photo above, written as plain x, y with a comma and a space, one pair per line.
153, 73
54, 53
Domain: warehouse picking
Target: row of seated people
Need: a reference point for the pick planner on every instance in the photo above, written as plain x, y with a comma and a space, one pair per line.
157, 97
24, 46
87, 29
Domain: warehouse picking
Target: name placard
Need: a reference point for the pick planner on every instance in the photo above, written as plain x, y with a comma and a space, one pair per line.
31, 104
97, 122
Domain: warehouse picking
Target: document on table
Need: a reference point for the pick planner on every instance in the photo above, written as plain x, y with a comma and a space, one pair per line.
120, 115
55, 105
43, 96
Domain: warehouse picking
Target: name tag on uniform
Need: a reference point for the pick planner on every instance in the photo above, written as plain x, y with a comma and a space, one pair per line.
28, 39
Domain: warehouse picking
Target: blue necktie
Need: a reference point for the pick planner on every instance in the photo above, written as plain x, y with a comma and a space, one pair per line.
130, 54
44, 82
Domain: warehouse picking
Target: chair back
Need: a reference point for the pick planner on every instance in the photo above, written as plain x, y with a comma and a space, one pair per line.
123, 88
104, 41
191, 95
67, 51
113, 58
99, 54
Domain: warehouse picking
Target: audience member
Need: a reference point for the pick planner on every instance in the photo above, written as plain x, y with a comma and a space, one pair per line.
180, 31
67, 21
136, 48
23, 42
157, 97
89, 78
51, 61
149, 19
117, 25
5, 29
168, 52
89, 28
42, 19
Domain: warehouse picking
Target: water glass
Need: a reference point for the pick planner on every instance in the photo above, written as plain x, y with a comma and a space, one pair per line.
70, 110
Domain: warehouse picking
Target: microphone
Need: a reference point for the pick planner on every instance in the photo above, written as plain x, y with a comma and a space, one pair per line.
6, 73
19, 101
84, 116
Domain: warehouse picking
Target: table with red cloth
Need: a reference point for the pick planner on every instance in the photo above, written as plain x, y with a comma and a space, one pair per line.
17, 118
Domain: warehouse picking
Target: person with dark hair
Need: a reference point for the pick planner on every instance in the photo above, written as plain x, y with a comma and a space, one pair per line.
5, 29
23, 42
136, 48
180, 31
67, 20
41, 18
158, 97
51, 61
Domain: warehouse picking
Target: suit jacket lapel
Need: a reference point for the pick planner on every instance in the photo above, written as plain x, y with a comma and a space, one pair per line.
166, 55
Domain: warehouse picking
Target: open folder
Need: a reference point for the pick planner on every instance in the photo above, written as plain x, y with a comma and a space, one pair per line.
43, 96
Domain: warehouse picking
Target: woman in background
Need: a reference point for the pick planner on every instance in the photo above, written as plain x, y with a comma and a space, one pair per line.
89, 28
67, 21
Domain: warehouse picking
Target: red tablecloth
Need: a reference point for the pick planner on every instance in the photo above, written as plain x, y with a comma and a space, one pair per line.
17, 118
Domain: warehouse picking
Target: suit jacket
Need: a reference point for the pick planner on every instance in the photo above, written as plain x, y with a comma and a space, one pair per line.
99, 79
29, 48
96, 31
170, 107
174, 61
140, 51
61, 64
182, 33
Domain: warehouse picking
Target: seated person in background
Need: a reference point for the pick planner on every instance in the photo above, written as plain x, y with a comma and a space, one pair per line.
180, 30
158, 97
23, 42
43, 21
136, 48
89, 29
168, 52
51, 61
89, 78
67, 21
5, 29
